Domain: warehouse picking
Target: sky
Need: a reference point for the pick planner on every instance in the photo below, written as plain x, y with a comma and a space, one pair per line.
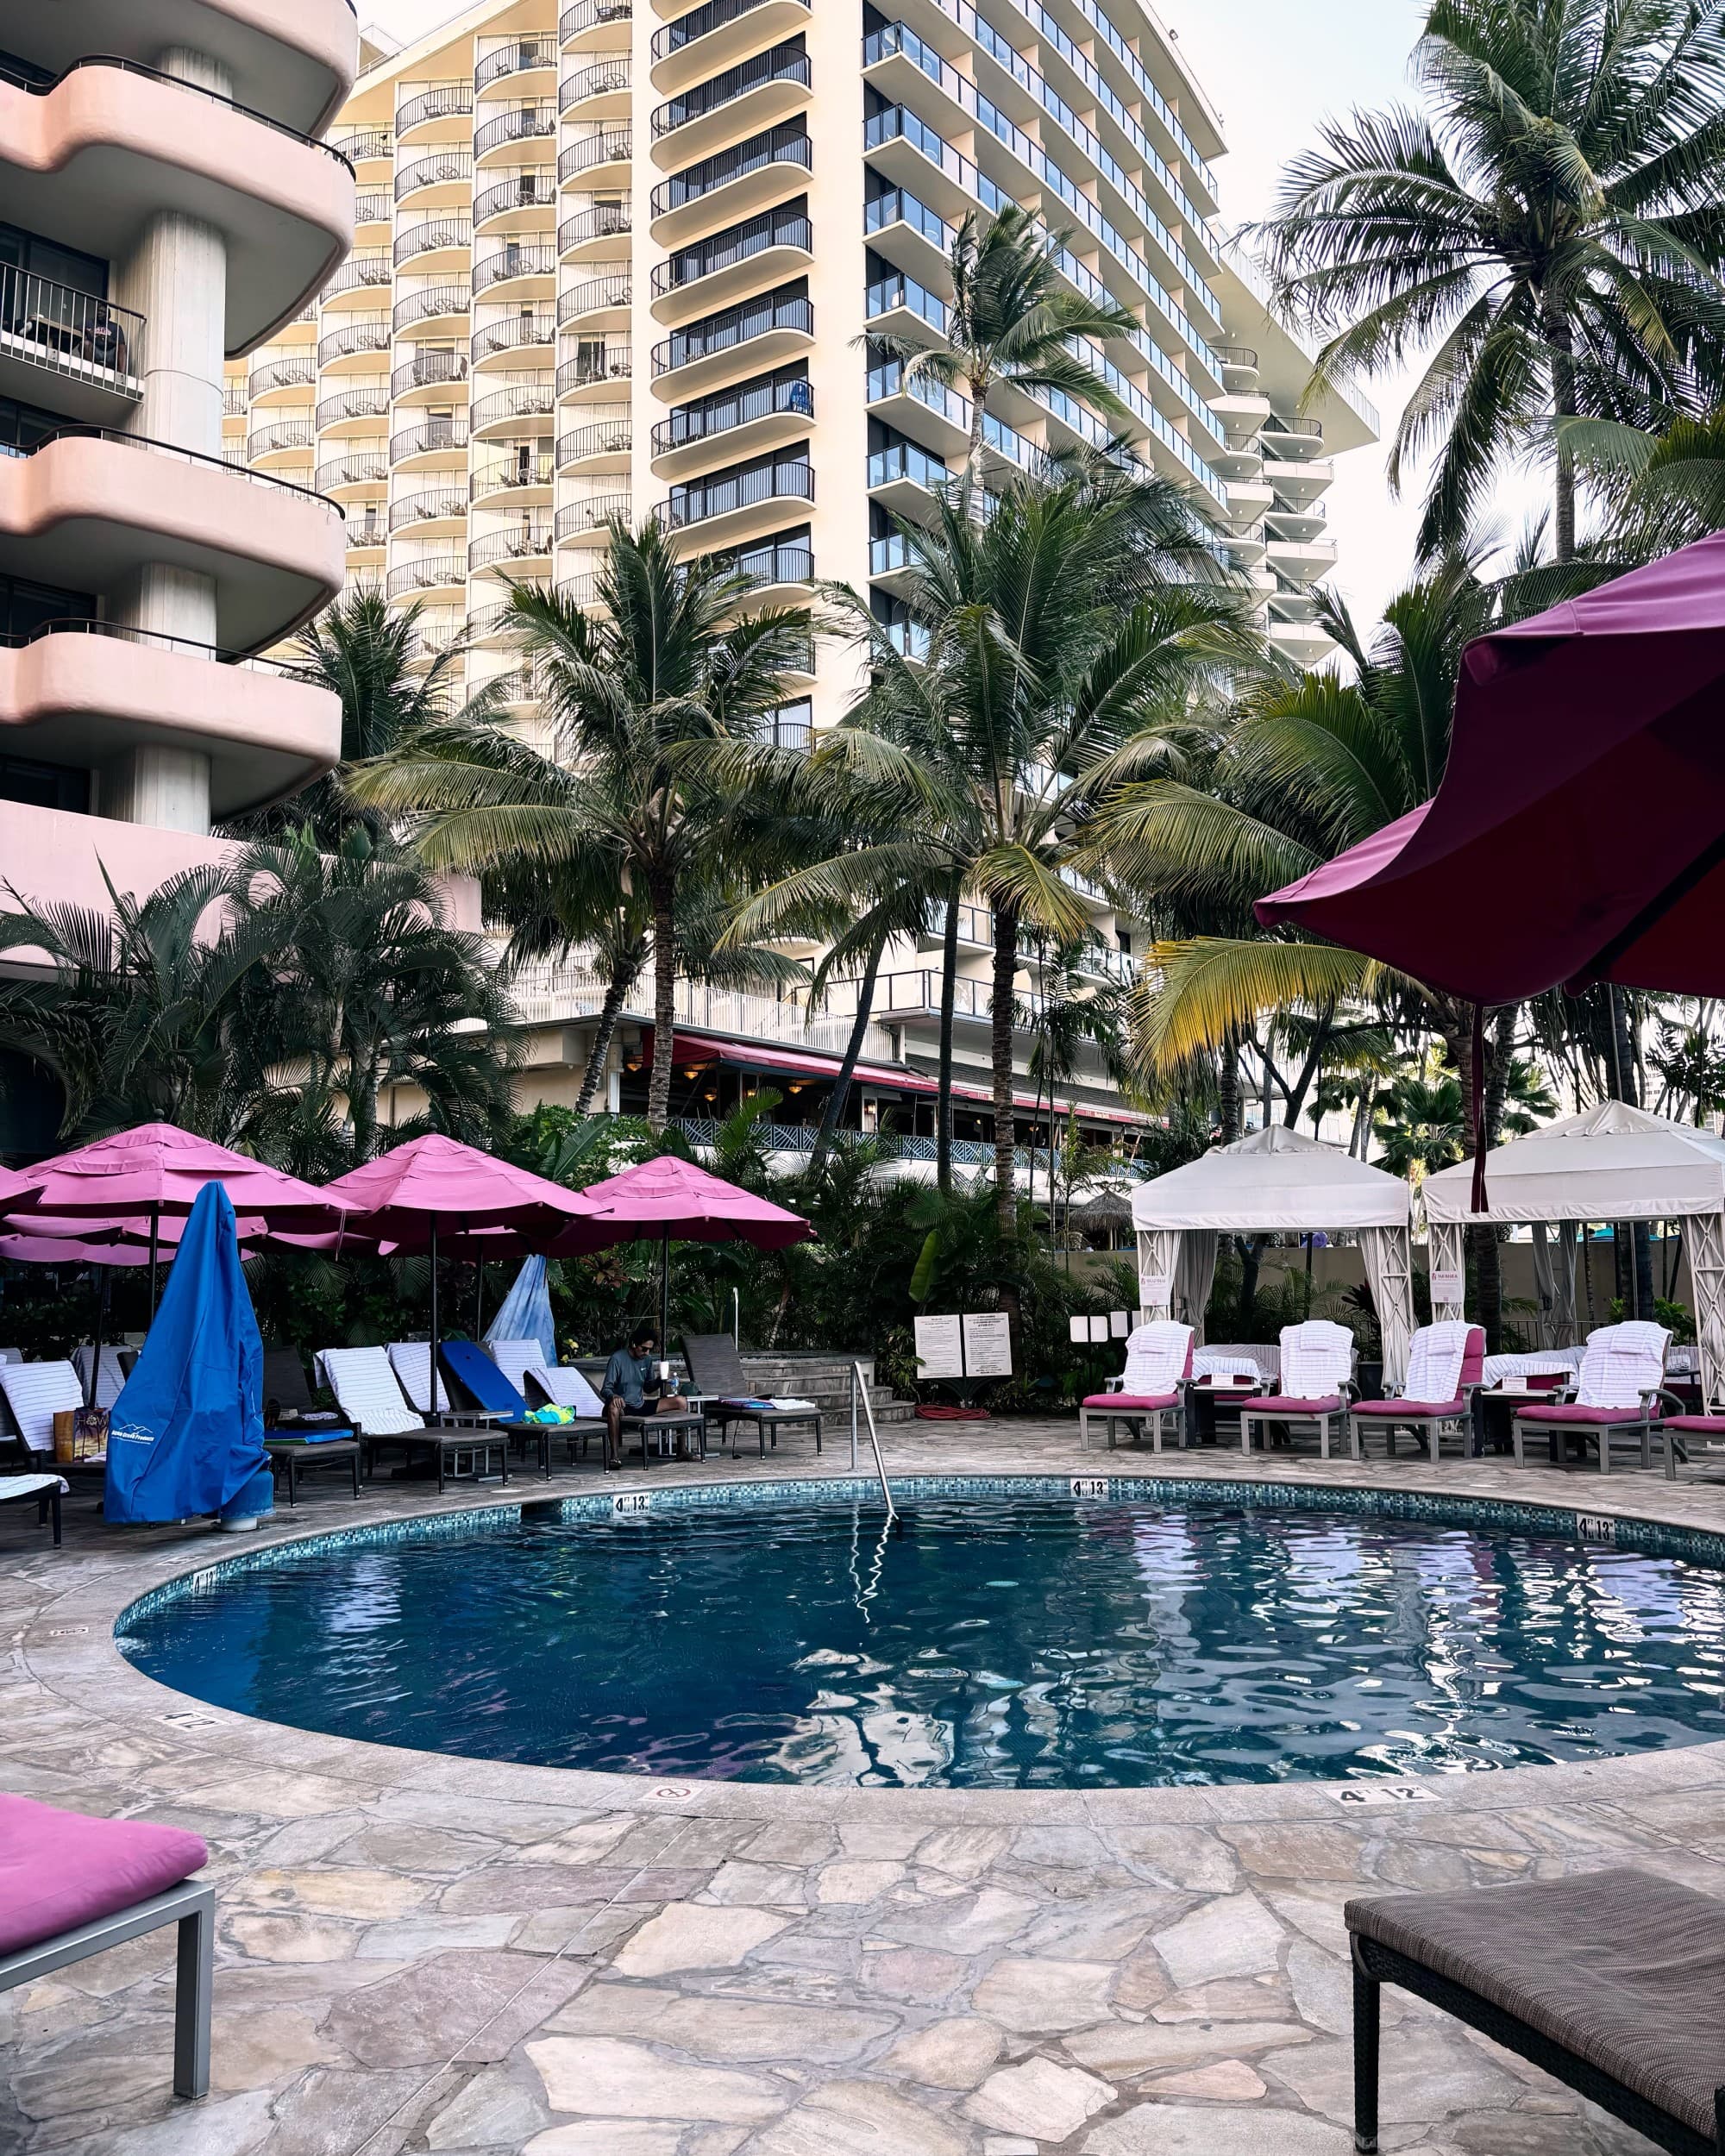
1275, 70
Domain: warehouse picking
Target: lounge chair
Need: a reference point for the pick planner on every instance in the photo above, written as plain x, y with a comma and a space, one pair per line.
562, 1386
34, 1392
71, 1887
111, 1381
1317, 1379
515, 1358
44, 1490
716, 1375
473, 1376
411, 1360
1616, 1396
1611, 1982
1151, 1388
1445, 1367
368, 1393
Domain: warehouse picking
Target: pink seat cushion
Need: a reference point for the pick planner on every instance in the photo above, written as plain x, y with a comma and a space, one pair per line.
59, 1870
1708, 1425
1132, 1403
1409, 1410
1279, 1404
1577, 1414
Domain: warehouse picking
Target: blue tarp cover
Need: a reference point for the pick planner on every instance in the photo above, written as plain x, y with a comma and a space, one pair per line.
526, 1311
187, 1434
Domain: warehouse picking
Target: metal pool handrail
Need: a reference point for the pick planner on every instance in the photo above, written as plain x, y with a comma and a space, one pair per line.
859, 1384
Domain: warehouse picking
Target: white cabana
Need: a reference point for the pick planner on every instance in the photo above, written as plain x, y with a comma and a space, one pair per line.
1275, 1181
1613, 1163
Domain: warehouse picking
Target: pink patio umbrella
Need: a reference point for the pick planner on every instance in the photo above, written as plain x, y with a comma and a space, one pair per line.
437, 1195
670, 1201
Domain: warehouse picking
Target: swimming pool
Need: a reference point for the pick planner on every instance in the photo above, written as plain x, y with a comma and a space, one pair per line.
1013, 1635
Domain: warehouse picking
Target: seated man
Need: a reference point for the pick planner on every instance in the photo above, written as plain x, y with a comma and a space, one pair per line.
624, 1388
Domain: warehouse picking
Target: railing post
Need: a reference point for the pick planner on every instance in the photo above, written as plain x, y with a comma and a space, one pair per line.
854, 1374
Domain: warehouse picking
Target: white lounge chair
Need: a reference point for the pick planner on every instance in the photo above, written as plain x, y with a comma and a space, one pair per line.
110, 1380
1317, 1377
564, 1386
1445, 1367
1617, 1395
366, 1390
411, 1360
1150, 1391
34, 1392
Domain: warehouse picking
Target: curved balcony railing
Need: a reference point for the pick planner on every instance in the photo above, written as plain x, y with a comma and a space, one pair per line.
367, 526
429, 370
510, 474
437, 236
517, 333
487, 621
520, 56
363, 146
787, 144
605, 438
123, 632
371, 268
591, 514
736, 326
374, 334
696, 24
430, 575
299, 372
733, 408
592, 14
740, 243
369, 467
286, 434
780, 63
594, 297
604, 221
44, 84
616, 363
523, 191
605, 146
75, 430
370, 402
65, 331
437, 505
441, 101
1303, 430
527, 123
1234, 355
434, 435
438, 168
234, 397
605, 77
375, 207
703, 499
431, 305
523, 543
523, 400
779, 561
578, 590
503, 268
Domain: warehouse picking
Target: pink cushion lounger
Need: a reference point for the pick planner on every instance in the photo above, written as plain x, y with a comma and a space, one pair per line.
1316, 1350
71, 1887
1446, 1365
1618, 1390
1158, 1364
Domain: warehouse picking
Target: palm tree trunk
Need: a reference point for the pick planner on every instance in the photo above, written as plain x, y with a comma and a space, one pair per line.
973, 461
616, 995
853, 1047
664, 1000
1000, 1032
1228, 1091
1558, 334
948, 980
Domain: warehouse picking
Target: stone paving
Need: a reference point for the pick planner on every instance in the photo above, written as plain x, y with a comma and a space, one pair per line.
424, 1953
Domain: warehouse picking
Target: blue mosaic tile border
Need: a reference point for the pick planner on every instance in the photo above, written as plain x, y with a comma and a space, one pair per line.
1493, 1516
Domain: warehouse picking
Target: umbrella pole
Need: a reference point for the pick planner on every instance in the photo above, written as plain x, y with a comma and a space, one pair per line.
155, 1238
665, 1295
101, 1328
435, 1343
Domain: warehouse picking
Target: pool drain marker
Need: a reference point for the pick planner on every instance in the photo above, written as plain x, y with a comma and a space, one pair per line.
1362, 1795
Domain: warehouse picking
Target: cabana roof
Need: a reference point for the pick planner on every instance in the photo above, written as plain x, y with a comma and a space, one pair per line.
1612, 1163
1274, 1181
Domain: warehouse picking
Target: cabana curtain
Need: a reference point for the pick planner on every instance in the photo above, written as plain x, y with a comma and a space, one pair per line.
1389, 1257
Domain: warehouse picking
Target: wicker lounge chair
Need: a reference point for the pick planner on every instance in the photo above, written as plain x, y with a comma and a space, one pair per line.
716, 1373
1612, 1982
1317, 1378
1150, 1394
1616, 1396
1445, 1367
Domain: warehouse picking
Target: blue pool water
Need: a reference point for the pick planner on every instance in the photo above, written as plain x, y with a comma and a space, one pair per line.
1022, 1642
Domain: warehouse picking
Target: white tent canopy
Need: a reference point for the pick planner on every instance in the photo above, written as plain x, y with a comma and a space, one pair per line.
1612, 1163
1275, 1181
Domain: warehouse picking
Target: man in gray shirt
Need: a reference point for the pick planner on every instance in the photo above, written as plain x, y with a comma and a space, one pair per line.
624, 1388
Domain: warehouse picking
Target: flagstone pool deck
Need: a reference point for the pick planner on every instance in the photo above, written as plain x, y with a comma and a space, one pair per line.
418, 1953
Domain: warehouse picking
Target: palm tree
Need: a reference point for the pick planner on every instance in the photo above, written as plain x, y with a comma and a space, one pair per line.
1552, 223
637, 692
1012, 321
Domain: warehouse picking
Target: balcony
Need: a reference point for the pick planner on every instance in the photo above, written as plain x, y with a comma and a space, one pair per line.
439, 441
439, 577
902, 476
780, 572
353, 411
1295, 439
505, 136
516, 271
1301, 560
373, 207
517, 67
444, 179
441, 309
593, 232
494, 628
282, 378
506, 410
597, 159
916, 996
598, 91
604, 445
730, 508
358, 281
433, 112
437, 511
601, 303
940, 416
593, 373
287, 442
761, 251
363, 147
234, 401
698, 44
754, 175
975, 928
434, 248
523, 549
592, 23
91, 351
756, 93
756, 416
1238, 367
519, 203
367, 535
774, 328
429, 377
586, 523
501, 344
356, 347
353, 477
437, 631
1296, 479
517, 479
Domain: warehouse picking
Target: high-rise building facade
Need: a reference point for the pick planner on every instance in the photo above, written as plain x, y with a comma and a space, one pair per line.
166, 202
626, 256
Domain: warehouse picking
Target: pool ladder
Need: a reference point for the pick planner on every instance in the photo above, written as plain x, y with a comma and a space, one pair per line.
859, 1389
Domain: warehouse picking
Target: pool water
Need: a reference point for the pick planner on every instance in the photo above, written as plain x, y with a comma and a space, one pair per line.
1017, 1642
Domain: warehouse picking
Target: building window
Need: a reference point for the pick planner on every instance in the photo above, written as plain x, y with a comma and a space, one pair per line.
24, 607
48, 786
26, 426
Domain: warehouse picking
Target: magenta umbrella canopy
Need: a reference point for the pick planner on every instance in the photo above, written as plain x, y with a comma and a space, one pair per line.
160, 1169
1579, 832
673, 1200
472, 1205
